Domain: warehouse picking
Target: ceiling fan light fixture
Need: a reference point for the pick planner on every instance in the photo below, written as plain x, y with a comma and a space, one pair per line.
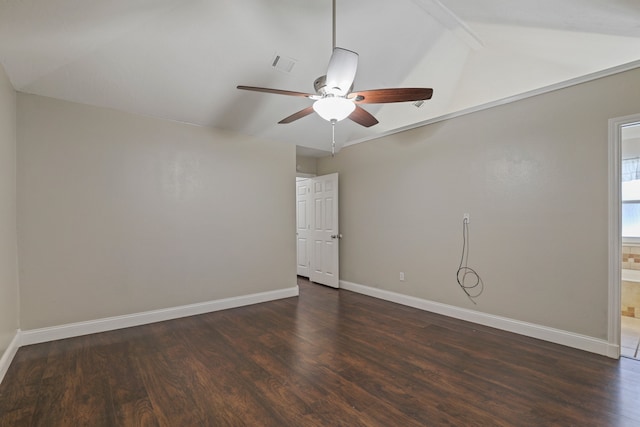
334, 99
334, 108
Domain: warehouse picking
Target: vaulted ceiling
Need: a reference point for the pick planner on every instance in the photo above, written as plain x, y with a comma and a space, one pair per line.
182, 59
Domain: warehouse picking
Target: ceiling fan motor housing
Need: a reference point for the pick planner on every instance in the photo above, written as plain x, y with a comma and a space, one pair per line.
320, 86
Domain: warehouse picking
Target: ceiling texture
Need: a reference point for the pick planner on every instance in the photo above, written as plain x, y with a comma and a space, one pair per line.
182, 59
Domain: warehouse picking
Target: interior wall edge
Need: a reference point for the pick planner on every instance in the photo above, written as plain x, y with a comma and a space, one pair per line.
532, 330
9, 354
9, 291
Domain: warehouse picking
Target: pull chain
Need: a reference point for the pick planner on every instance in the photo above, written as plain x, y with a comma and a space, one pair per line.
333, 137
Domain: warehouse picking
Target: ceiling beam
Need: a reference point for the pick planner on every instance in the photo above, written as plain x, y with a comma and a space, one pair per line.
450, 20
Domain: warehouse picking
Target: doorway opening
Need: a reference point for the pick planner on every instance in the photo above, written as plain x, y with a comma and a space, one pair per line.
624, 237
317, 235
630, 233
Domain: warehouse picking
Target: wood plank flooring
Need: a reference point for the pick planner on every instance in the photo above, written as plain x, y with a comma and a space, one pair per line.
327, 358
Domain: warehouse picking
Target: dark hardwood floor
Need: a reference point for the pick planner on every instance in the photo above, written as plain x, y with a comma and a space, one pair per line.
328, 358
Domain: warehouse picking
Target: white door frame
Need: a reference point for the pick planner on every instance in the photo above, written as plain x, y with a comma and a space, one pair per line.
615, 232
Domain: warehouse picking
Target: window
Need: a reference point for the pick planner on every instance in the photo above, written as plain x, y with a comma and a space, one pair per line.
631, 198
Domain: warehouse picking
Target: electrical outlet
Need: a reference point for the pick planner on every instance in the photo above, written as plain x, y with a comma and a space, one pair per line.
402, 276
466, 218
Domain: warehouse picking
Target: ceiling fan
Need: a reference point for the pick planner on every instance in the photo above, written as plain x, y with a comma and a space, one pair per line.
335, 99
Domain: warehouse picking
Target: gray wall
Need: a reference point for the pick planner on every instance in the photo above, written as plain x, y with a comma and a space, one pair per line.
305, 164
8, 249
121, 214
533, 176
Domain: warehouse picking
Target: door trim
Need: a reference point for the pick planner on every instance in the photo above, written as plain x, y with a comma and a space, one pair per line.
615, 232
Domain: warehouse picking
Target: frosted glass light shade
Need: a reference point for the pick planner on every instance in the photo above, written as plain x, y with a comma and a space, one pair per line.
334, 108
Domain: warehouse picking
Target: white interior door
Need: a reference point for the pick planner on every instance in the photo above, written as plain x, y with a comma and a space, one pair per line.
303, 215
324, 235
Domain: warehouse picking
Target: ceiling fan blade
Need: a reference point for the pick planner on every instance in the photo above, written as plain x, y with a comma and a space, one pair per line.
276, 91
295, 116
341, 71
363, 117
383, 96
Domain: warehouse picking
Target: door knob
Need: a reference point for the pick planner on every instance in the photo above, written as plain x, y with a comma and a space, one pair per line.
336, 236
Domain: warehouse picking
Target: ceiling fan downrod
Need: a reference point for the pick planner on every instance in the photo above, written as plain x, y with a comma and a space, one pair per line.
333, 38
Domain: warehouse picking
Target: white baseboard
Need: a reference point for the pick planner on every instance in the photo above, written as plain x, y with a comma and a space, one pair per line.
35, 336
533, 330
8, 355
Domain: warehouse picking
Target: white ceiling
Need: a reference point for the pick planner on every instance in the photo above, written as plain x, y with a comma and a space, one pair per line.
182, 59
